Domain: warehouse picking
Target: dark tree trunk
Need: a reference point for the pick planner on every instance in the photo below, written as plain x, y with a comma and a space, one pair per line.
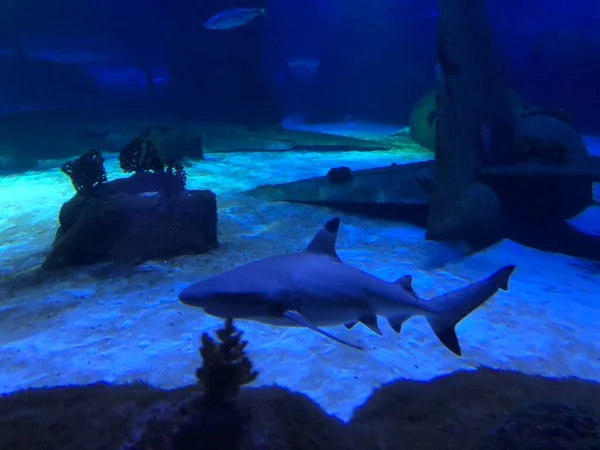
474, 123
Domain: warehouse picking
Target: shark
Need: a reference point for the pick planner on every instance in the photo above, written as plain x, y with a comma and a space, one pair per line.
313, 288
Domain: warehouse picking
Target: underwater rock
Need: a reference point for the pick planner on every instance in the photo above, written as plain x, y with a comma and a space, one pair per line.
460, 410
471, 214
553, 181
526, 190
133, 220
547, 130
534, 198
339, 175
474, 123
548, 141
225, 417
262, 418
533, 122
422, 123
547, 425
176, 143
138, 417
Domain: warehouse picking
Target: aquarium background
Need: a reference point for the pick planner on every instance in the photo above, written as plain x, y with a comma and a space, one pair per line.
315, 85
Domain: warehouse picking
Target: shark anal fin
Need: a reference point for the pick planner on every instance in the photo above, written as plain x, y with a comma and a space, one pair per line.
396, 322
295, 316
370, 321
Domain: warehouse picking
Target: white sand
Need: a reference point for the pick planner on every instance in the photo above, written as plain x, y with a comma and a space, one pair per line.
80, 329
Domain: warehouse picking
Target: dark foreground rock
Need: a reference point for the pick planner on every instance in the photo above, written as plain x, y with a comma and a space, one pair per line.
546, 425
133, 220
462, 411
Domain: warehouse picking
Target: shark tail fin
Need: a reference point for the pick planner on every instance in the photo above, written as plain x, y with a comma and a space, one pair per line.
449, 309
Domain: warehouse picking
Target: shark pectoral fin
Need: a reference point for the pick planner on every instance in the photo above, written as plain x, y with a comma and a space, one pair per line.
295, 316
370, 321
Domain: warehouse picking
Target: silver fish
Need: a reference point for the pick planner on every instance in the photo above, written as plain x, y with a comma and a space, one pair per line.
233, 18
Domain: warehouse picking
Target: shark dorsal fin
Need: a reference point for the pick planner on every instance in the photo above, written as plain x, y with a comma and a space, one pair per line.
406, 283
324, 241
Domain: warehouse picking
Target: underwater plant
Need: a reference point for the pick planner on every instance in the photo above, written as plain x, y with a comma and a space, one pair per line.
86, 172
226, 367
174, 180
140, 155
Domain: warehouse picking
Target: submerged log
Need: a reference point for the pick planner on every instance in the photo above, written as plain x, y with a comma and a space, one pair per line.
536, 199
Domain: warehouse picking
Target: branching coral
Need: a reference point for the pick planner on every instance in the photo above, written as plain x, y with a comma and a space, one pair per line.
175, 178
140, 155
86, 172
225, 366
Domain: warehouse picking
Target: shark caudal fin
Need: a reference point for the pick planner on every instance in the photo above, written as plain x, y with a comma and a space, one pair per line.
449, 309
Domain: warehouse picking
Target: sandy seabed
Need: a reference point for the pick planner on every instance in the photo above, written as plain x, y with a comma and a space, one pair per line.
80, 327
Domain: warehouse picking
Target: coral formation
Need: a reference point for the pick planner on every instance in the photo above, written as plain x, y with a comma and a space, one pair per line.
87, 172
176, 170
134, 219
140, 155
226, 367
173, 181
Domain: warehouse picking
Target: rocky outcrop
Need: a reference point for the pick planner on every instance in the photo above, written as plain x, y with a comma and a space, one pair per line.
125, 227
149, 215
506, 410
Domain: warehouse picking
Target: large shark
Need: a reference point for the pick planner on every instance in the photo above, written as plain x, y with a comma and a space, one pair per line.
314, 289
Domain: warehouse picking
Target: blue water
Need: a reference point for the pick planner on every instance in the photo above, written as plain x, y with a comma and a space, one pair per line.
338, 69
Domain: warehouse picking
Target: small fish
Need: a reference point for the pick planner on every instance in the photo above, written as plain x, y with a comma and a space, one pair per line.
233, 18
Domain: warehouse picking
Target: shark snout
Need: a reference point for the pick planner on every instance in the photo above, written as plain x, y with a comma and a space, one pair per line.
194, 295
186, 299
